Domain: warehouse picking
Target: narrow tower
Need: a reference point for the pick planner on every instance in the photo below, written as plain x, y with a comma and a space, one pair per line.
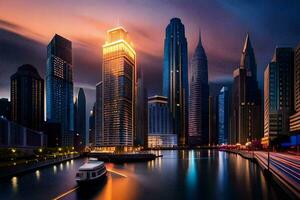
175, 77
199, 96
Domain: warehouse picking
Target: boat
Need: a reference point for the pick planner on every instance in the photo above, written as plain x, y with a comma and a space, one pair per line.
91, 171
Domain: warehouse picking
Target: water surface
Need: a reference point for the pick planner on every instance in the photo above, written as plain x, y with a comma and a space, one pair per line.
194, 174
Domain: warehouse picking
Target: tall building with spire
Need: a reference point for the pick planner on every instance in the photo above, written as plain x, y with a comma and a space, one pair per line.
175, 77
59, 87
199, 97
246, 99
119, 89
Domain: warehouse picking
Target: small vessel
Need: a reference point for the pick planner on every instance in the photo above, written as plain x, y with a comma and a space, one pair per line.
91, 171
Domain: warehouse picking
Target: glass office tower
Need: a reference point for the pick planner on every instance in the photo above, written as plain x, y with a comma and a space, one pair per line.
59, 87
175, 77
119, 89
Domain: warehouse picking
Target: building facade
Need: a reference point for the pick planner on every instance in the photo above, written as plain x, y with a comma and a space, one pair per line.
295, 117
141, 138
5, 108
160, 127
278, 81
92, 123
119, 90
175, 77
198, 99
99, 137
59, 87
246, 99
80, 136
223, 116
159, 118
15, 135
27, 97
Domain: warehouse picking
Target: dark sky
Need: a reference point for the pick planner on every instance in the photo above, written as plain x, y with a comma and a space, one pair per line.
26, 27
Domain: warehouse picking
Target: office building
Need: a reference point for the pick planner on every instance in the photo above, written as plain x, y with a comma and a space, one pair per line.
246, 99
27, 97
92, 120
80, 121
223, 116
278, 81
59, 87
295, 117
119, 90
15, 135
175, 77
99, 136
199, 97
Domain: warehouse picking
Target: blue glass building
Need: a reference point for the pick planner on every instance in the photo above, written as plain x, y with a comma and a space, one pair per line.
223, 116
175, 77
199, 96
59, 87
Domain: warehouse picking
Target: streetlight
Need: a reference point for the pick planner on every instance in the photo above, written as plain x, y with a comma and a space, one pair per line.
40, 150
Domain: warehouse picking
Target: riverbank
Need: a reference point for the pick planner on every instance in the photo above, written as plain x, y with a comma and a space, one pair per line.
26, 167
273, 174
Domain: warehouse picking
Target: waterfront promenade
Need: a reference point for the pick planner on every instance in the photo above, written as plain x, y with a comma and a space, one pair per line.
283, 168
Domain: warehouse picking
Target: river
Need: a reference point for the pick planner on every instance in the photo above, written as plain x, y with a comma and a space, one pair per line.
193, 174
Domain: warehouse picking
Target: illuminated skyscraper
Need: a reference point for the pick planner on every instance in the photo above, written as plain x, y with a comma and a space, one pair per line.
199, 97
59, 87
278, 81
246, 99
27, 97
119, 89
175, 77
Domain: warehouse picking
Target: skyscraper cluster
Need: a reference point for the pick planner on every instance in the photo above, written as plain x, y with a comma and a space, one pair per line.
190, 112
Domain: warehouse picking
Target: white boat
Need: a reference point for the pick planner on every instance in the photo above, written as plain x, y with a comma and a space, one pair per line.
91, 171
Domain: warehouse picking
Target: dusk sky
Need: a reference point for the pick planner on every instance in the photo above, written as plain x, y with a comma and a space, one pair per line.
27, 26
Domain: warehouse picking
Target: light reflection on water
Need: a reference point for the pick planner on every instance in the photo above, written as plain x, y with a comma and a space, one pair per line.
177, 175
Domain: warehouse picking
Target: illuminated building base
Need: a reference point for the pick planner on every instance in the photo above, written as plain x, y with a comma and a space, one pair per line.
162, 140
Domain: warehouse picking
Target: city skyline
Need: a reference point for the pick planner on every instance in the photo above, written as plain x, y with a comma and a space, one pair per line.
20, 31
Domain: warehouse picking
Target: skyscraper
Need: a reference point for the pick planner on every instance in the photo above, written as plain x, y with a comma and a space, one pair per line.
246, 99
80, 118
99, 136
223, 116
295, 117
92, 120
278, 79
59, 87
119, 89
141, 112
175, 77
199, 97
27, 97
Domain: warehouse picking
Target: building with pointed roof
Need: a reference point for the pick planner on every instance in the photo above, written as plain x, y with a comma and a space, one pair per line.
198, 99
246, 99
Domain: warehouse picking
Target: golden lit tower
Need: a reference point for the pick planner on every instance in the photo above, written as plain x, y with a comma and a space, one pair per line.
119, 89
